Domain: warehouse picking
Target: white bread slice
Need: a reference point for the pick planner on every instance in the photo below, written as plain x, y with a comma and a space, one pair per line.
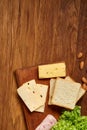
51, 90
65, 93
68, 78
81, 90
81, 93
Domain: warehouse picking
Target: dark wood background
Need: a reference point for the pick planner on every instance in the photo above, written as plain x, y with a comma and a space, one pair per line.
36, 32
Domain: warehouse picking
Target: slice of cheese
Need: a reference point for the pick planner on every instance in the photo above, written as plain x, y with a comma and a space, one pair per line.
31, 83
81, 91
31, 96
65, 93
52, 70
43, 91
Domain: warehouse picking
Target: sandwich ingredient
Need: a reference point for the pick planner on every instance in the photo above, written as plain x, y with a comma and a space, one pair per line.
65, 93
52, 70
47, 123
52, 87
71, 120
33, 95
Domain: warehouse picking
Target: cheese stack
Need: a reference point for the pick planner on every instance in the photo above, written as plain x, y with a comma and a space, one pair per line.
33, 95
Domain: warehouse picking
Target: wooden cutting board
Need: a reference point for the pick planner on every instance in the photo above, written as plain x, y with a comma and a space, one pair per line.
33, 119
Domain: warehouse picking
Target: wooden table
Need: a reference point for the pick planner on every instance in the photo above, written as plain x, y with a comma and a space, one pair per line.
36, 32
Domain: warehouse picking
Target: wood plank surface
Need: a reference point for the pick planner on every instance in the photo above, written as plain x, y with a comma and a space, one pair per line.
36, 32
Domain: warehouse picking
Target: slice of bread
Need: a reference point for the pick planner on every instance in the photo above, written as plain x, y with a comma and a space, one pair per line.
52, 85
65, 93
81, 90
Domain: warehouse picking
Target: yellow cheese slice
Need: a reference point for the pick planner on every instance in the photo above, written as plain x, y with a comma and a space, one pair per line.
52, 70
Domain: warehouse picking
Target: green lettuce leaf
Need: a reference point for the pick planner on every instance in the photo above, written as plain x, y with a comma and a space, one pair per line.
71, 120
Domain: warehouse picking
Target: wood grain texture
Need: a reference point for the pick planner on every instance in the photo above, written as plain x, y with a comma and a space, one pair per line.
36, 32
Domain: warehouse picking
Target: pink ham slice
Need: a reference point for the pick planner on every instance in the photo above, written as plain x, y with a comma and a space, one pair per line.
47, 123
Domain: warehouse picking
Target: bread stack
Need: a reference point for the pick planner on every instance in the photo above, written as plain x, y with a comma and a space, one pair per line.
65, 92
